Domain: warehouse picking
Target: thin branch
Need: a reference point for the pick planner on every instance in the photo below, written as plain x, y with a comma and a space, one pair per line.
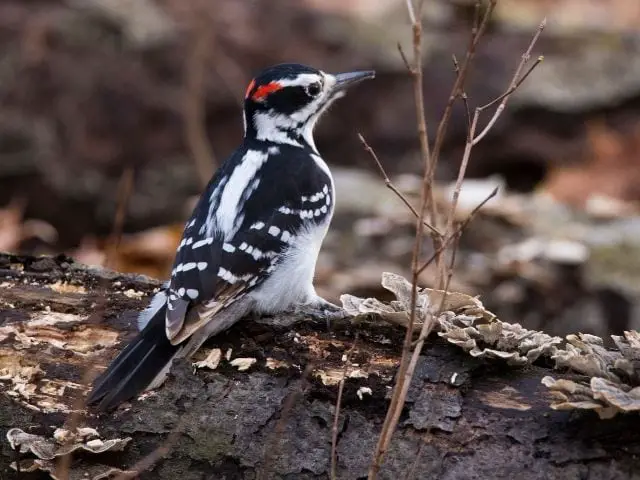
125, 190
479, 27
412, 13
391, 186
472, 139
404, 58
391, 418
462, 94
476, 34
194, 97
463, 169
455, 239
336, 416
430, 158
476, 16
459, 230
516, 81
428, 205
509, 91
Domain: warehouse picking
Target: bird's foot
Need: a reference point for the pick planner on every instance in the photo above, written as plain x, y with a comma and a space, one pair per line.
320, 310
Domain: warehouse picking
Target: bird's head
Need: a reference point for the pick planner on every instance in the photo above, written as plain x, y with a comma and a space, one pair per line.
284, 102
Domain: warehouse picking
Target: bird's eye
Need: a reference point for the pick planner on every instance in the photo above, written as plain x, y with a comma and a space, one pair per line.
314, 89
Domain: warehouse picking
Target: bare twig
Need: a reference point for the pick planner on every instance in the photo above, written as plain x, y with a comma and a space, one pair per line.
538, 61
462, 94
430, 158
125, 190
472, 139
194, 96
516, 81
391, 186
404, 58
454, 241
458, 85
393, 415
412, 13
336, 416
451, 237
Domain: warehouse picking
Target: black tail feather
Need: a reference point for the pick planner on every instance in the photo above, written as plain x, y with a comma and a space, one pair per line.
135, 367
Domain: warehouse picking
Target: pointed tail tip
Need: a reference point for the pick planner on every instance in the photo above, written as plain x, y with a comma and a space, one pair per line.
135, 368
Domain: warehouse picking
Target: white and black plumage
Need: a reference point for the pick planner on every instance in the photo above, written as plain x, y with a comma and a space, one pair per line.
252, 242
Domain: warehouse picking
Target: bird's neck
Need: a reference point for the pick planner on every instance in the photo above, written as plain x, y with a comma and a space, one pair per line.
279, 129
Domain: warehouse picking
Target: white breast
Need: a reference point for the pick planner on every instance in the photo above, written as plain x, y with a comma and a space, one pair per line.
291, 282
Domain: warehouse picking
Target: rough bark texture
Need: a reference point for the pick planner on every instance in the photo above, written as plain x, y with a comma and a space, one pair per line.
464, 418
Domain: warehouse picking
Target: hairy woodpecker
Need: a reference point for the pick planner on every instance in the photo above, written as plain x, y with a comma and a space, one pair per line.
253, 239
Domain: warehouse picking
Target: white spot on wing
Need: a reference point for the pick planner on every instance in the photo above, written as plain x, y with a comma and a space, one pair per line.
227, 247
203, 242
273, 230
192, 293
202, 265
227, 276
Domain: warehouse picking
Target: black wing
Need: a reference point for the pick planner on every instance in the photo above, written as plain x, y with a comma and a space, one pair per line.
213, 267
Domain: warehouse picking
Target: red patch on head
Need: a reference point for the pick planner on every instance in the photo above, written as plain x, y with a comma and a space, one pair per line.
263, 90
249, 88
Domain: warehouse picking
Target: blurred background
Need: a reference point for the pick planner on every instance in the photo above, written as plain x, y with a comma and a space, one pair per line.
114, 113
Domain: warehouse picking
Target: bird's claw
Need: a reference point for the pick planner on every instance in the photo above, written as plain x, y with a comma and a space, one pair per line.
325, 311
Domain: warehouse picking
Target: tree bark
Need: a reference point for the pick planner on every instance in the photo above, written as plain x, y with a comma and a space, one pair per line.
61, 323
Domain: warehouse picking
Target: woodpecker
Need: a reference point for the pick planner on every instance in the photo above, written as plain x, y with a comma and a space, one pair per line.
252, 242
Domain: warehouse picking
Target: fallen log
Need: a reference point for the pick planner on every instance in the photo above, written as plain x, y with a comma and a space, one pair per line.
259, 400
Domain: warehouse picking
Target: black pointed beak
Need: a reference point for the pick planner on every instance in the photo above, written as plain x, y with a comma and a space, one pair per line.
345, 80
